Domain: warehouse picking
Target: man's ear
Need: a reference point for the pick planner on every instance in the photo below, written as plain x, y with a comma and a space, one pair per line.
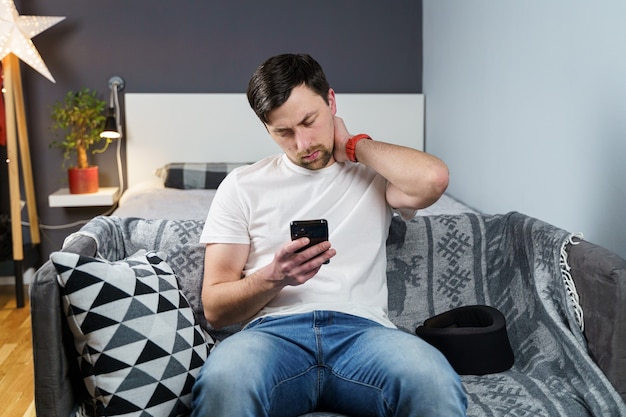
332, 101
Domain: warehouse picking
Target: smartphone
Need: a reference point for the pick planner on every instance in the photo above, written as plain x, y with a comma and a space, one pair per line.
315, 230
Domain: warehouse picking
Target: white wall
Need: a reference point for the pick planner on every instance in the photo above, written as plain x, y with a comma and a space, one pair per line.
526, 102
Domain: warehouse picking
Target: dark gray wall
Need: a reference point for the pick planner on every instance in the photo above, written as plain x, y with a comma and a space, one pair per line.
203, 46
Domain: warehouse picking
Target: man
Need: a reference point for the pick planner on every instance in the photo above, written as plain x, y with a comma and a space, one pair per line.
317, 335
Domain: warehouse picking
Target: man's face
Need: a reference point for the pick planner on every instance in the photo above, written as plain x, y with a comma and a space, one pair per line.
303, 128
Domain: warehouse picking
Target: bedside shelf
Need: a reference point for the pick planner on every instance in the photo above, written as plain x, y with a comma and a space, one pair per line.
105, 196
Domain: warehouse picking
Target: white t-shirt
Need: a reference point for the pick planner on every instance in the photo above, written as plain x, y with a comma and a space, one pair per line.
255, 204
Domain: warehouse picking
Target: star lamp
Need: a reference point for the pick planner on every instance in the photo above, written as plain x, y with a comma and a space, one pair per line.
16, 32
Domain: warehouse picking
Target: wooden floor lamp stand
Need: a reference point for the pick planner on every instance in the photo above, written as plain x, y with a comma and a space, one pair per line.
17, 133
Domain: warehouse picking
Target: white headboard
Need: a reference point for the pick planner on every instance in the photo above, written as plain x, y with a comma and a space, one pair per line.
164, 128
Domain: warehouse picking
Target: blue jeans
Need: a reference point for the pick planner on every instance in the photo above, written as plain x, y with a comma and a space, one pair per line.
292, 365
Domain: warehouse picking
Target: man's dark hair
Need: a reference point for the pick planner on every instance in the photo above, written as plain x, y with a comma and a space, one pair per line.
272, 82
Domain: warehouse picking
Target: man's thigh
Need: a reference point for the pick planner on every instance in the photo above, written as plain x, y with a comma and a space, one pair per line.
378, 371
258, 372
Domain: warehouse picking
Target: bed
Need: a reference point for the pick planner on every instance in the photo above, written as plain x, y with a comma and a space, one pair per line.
167, 132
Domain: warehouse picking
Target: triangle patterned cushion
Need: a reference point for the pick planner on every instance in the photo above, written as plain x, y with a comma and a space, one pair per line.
139, 347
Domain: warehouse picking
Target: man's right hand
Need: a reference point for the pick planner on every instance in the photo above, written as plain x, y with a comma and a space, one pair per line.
229, 298
290, 267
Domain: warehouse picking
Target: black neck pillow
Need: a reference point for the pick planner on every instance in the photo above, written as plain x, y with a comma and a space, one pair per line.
472, 338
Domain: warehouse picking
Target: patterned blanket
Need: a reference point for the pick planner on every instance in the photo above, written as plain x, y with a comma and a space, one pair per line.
512, 262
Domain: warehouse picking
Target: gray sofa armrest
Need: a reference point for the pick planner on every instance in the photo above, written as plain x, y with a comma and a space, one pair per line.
600, 278
56, 369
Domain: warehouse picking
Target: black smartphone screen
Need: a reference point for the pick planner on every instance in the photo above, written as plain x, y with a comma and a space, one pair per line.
315, 230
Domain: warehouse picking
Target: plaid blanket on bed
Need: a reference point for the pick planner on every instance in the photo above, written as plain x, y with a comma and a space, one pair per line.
187, 176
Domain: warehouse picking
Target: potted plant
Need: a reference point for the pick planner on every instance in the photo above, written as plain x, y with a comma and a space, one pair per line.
79, 118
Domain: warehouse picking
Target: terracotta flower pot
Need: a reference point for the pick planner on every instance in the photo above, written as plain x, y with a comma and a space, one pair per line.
83, 180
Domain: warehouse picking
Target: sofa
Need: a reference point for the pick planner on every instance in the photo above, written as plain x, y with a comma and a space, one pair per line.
561, 296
